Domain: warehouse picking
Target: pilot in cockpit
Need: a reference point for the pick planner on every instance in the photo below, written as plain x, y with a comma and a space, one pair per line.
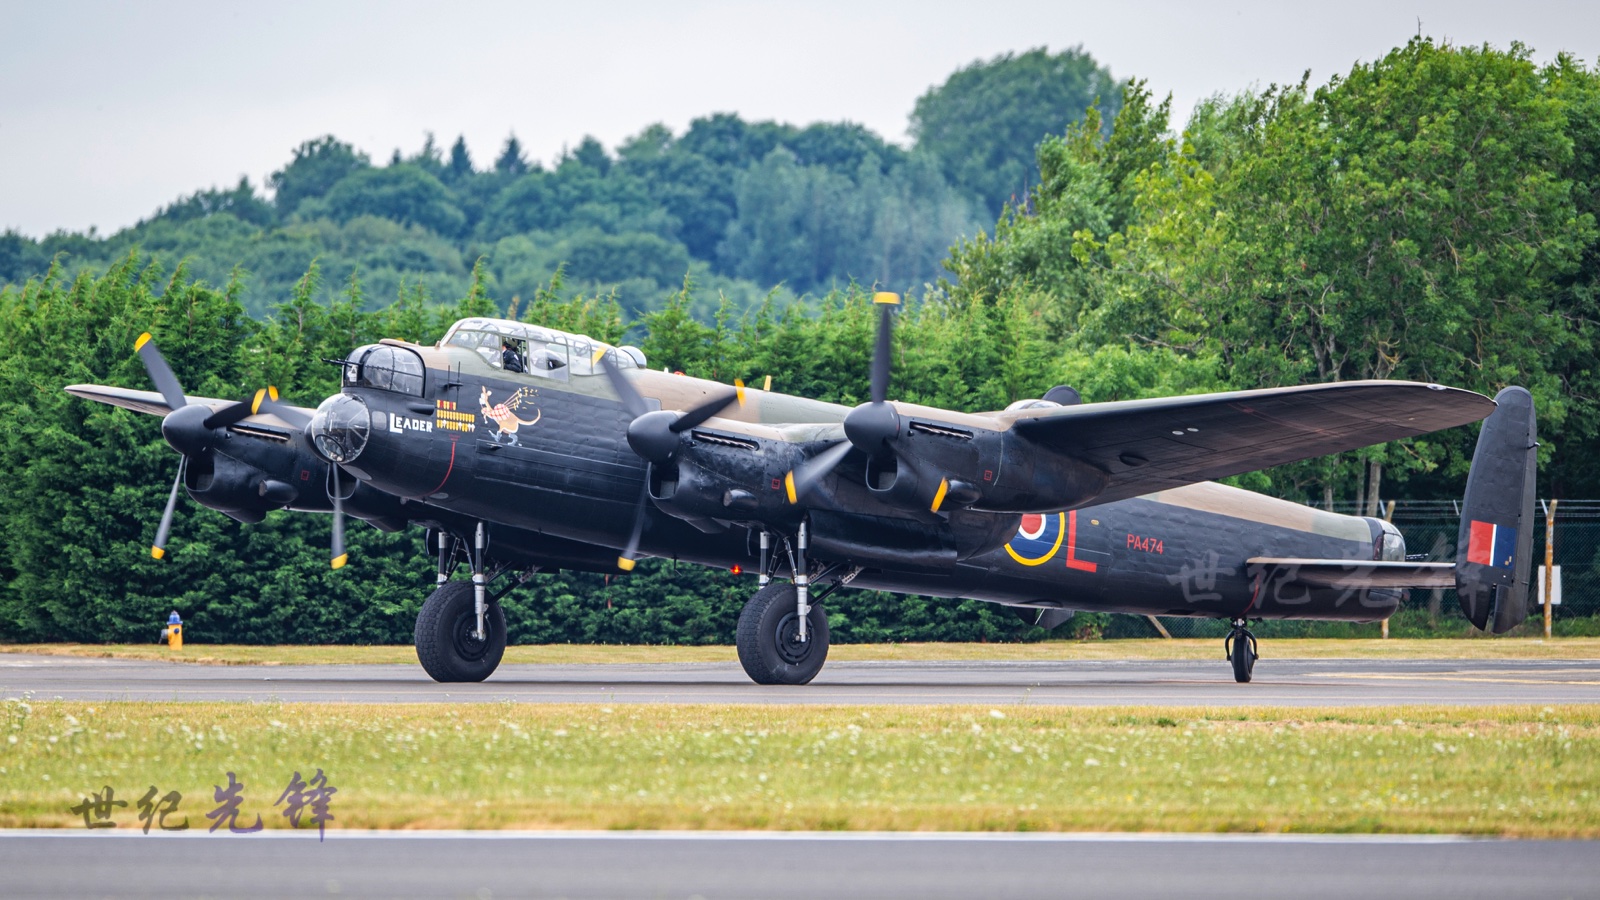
510, 359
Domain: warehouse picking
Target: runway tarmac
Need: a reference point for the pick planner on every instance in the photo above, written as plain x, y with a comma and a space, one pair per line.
1084, 683
777, 865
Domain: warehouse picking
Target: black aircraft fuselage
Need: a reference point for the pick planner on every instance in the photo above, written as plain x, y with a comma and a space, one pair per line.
542, 452
523, 449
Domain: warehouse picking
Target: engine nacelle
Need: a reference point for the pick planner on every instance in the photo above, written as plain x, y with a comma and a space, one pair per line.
235, 489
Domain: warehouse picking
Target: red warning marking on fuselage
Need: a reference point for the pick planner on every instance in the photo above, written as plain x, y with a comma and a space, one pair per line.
1073, 562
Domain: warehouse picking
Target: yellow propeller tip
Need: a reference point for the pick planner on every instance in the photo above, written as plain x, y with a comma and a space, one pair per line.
625, 564
272, 392
767, 385
788, 487
938, 497
340, 560
139, 344
157, 553
738, 390
255, 405
886, 297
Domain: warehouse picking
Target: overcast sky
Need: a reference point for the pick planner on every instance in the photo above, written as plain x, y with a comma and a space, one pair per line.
110, 110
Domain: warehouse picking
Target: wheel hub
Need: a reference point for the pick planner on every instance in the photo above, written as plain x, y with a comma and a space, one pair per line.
467, 644
790, 648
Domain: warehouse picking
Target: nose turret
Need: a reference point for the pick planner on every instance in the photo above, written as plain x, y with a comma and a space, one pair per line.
340, 427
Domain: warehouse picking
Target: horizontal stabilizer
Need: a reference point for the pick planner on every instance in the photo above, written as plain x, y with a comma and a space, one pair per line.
1355, 574
1152, 445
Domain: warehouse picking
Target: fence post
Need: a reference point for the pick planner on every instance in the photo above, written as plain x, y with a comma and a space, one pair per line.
1549, 562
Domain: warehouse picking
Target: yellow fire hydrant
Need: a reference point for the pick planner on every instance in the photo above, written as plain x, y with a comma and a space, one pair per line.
174, 631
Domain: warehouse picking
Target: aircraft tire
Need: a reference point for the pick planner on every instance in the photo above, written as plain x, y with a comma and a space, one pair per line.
445, 645
1243, 658
767, 627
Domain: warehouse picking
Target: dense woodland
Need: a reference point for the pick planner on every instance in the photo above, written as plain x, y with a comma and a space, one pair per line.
1430, 215
747, 207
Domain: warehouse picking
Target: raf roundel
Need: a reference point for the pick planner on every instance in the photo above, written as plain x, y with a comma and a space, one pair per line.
1038, 538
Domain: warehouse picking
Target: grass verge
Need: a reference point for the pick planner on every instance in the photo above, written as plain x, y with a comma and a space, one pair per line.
1046, 651
1522, 771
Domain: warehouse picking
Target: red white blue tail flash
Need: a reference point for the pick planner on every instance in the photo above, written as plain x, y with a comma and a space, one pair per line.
1492, 545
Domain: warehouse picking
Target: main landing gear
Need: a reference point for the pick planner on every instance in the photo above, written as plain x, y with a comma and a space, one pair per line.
1240, 647
461, 630
783, 631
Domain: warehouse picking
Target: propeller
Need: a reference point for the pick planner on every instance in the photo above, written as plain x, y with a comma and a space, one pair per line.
192, 429
655, 435
340, 557
159, 548
870, 427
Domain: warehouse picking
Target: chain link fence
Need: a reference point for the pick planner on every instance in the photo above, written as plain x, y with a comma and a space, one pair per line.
1430, 527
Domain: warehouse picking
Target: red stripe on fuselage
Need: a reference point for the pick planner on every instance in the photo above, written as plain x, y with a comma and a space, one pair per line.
447, 471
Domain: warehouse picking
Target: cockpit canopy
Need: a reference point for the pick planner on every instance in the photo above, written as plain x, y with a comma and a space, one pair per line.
536, 350
385, 367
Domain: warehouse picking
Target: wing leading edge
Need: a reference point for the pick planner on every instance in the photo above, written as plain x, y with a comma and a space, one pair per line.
153, 404
1151, 445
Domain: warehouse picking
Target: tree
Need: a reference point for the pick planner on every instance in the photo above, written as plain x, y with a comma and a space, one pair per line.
405, 193
459, 168
511, 161
240, 202
317, 166
986, 120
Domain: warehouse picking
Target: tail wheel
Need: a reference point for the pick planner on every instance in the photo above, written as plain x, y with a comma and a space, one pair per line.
1242, 653
769, 642
447, 643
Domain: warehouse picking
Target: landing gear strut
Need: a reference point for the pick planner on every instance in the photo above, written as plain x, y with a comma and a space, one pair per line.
1240, 647
783, 632
461, 630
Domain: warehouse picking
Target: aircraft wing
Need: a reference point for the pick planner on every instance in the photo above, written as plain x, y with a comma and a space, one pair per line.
1355, 573
152, 403
148, 402
1151, 445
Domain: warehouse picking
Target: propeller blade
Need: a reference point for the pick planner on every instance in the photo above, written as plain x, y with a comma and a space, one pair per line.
158, 550
295, 417
160, 372
264, 401
630, 396
881, 354
704, 411
625, 562
340, 557
231, 415
802, 479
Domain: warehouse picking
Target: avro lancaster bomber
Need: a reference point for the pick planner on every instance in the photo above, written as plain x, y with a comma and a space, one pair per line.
522, 449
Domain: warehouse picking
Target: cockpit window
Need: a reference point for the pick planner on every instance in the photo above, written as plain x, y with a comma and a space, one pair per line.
541, 352
385, 368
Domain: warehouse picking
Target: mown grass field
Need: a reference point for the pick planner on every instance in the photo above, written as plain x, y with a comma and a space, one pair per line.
1524, 771
1205, 649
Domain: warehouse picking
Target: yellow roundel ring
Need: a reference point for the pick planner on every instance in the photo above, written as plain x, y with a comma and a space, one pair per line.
1061, 534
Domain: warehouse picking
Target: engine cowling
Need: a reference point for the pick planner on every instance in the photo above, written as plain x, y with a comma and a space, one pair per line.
235, 489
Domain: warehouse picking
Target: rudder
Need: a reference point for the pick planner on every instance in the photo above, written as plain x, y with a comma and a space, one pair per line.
1494, 548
